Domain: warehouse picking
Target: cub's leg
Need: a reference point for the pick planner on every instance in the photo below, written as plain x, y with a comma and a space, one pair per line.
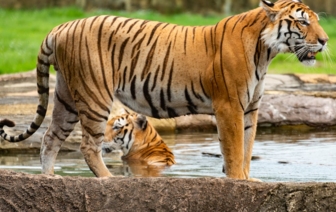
230, 126
64, 119
93, 134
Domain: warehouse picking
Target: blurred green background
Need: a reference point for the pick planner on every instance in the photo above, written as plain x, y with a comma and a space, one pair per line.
24, 24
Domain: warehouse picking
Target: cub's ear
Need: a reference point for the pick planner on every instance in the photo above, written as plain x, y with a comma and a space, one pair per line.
123, 111
270, 10
141, 121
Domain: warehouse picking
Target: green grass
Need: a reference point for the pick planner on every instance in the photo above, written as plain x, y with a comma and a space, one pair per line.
22, 31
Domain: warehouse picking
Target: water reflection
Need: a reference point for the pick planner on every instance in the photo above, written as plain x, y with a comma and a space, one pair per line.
284, 154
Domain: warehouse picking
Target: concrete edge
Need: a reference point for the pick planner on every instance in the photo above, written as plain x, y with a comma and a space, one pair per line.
26, 192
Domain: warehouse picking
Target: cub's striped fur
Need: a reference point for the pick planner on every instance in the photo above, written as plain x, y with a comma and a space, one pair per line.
138, 140
165, 70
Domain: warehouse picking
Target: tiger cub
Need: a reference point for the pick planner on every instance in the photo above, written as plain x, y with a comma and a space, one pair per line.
138, 140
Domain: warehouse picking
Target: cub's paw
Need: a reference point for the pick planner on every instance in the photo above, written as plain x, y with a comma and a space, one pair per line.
254, 180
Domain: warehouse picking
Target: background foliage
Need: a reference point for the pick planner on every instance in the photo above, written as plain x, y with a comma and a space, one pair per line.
22, 30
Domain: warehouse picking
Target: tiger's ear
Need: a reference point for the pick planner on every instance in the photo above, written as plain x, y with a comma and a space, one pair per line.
141, 121
270, 10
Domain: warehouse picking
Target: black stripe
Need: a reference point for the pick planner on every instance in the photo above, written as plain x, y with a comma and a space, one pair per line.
195, 93
235, 24
92, 72
29, 133
162, 100
149, 59
55, 134
92, 22
41, 89
257, 74
203, 90
185, 41
66, 105
133, 65
41, 62
34, 126
165, 61
21, 137
221, 54
72, 122
132, 25
94, 98
194, 32
138, 32
152, 32
66, 130
90, 131
171, 32
123, 138
129, 139
124, 78
171, 112
125, 22
247, 127
113, 63
269, 53
100, 47
250, 111
148, 97
137, 46
133, 87
41, 74
41, 111
121, 51
88, 113
240, 102
279, 29
155, 78
169, 82
191, 106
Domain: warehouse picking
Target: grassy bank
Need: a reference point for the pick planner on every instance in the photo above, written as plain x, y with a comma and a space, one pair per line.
22, 31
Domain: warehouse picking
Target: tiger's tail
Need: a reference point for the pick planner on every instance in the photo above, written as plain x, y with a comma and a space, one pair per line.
42, 76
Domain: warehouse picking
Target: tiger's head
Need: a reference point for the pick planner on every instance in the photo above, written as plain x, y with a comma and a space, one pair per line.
294, 28
121, 132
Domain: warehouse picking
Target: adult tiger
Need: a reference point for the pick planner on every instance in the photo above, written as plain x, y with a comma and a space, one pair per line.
138, 140
165, 70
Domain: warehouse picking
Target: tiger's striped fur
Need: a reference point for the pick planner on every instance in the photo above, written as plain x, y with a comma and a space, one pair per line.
165, 70
137, 139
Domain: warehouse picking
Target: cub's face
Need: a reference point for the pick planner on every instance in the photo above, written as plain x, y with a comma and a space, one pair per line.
122, 131
294, 28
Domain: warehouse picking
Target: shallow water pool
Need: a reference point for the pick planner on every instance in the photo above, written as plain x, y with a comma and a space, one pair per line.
297, 154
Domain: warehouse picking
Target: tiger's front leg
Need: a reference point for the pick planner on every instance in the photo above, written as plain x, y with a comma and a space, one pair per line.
91, 150
230, 127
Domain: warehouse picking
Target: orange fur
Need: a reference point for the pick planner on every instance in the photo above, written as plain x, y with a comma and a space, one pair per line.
165, 70
138, 139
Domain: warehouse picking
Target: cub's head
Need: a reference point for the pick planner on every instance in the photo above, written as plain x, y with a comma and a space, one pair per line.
295, 28
122, 131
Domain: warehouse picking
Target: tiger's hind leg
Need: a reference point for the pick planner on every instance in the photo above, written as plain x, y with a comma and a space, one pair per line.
64, 119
